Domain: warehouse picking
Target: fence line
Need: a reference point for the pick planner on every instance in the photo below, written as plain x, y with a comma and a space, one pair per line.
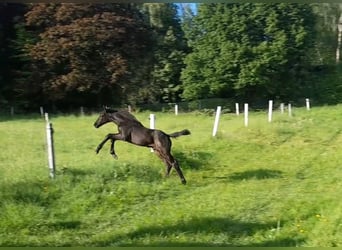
246, 119
205, 104
50, 131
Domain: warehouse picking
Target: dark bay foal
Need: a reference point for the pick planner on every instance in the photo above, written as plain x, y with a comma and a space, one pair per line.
132, 131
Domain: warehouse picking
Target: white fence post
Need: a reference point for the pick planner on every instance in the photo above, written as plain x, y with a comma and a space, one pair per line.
270, 109
129, 108
152, 124
152, 121
282, 108
237, 109
82, 111
46, 117
176, 109
41, 111
307, 100
246, 114
50, 147
217, 118
12, 111
290, 109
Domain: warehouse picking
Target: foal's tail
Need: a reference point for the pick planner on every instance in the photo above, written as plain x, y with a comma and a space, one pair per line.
180, 133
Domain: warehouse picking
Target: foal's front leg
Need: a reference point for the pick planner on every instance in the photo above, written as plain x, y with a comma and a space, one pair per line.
113, 138
103, 142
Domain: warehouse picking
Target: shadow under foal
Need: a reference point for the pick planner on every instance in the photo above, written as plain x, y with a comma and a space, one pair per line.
132, 131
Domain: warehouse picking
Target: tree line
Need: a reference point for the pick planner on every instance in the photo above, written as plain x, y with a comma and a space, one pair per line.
65, 55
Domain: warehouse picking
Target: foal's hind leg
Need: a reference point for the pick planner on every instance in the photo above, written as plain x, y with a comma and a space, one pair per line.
179, 171
171, 162
167, 164
112, 152
162, 144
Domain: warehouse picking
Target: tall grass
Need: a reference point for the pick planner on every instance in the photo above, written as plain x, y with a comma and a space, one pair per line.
270, 184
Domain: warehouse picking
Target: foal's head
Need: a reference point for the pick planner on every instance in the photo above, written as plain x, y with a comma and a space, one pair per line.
104, 117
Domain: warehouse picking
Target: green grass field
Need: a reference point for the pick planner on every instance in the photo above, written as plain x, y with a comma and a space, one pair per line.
270, 184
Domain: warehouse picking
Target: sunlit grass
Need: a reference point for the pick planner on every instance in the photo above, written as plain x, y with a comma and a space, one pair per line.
268, 184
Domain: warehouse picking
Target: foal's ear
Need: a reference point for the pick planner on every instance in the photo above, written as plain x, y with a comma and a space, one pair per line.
106, 109
109, 110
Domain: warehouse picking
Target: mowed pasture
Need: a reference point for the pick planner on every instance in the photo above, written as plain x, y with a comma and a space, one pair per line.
268, 184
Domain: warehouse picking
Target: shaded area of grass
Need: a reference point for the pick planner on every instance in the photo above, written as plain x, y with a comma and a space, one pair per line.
256, 174
195, 160
225, 229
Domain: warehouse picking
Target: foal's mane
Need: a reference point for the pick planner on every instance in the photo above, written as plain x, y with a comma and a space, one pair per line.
125, 116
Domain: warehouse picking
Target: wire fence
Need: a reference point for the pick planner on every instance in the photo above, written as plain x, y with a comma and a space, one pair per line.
204, 105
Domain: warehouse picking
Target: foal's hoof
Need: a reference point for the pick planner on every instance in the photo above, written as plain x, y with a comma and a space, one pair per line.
183, 181
114, 156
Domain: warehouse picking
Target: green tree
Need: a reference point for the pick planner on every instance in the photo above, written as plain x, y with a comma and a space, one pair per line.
25, 73
9, 14
168, 52
327, 15
326, 72
248, 50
